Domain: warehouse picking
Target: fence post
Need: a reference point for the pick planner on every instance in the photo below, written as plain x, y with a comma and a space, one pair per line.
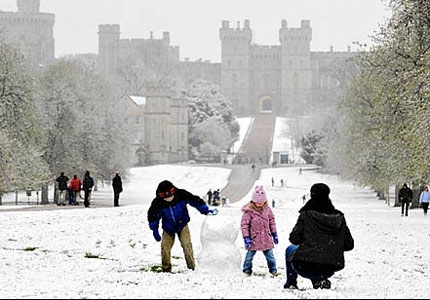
16, 197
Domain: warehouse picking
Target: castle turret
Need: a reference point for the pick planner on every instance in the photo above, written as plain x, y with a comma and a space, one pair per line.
28, 6
296, 65
109, 37
235, 52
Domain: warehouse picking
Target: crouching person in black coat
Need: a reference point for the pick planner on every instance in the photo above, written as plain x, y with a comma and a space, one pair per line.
319, 240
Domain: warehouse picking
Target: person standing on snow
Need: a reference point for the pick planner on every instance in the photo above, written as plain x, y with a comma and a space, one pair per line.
75, 187
117, 188
425, 199
170, 206
319, 240
62, 188
405, 197
87, 186
259, 231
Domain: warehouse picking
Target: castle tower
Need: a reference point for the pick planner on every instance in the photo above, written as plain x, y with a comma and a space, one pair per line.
235, 66
109, 37
30, 31
157, 123
296, 67
28, 6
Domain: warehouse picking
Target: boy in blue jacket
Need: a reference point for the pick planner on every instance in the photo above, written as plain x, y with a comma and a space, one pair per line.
170, 206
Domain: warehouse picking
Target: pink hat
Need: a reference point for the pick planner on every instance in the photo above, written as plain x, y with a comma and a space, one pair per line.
259, 195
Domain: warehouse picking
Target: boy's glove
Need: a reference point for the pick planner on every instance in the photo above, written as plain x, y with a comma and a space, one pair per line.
275, 238
213, 212
156, 235
154, 227
247, 241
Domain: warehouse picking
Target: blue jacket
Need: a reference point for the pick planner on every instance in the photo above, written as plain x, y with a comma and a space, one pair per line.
425, 197
174, 215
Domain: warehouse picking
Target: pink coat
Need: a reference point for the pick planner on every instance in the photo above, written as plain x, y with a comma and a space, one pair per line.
259, 226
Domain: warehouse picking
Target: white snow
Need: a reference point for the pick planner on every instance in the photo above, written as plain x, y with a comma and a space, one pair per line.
244, 123
218, 237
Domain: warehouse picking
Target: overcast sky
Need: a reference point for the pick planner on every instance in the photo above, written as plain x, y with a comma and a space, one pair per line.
194, 24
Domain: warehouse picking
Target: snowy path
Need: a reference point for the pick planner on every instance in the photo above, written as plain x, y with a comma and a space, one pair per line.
391, 258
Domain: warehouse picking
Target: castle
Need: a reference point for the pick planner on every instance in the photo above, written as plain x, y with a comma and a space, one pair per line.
286, 78
30, 31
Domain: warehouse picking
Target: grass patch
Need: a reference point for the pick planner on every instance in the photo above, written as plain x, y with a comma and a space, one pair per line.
153, 269
259, 274
176, 257
29, 249
93, 256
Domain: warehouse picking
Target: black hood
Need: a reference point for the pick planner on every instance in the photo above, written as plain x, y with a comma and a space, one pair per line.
327, 222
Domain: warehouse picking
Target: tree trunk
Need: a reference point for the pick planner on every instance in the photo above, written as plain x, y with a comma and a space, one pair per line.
45, 198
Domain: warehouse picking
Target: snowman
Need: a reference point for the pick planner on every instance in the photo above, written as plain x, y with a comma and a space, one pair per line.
219, 255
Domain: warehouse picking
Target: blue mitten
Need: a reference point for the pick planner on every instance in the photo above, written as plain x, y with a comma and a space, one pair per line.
156, 235
153, 225
213, 212
275, 238
247, 241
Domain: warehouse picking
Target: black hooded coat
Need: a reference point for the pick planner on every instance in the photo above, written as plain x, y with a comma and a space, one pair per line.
322, 236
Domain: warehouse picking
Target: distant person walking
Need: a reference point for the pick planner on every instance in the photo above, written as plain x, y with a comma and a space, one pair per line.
62, 181
282, 182
117, 189
253, 168
405, 197
273, 182
425, 199
87, 186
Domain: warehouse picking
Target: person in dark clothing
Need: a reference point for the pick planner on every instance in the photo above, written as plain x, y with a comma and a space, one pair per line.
62, 181
117, 188
87, 186
209, 194
319, 240
405, 198
170, 206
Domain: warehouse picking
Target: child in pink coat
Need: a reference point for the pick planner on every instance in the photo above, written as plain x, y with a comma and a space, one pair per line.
259, 231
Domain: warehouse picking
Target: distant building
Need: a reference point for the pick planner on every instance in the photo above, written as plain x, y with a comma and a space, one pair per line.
30, 31
159, 124
286, 78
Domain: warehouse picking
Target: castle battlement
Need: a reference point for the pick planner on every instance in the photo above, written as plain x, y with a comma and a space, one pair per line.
27, 17
109, 29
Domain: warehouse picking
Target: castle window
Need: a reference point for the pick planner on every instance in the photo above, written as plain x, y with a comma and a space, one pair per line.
137, 120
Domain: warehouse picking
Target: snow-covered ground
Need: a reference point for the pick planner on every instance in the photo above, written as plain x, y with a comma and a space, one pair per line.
244, 124
45, 254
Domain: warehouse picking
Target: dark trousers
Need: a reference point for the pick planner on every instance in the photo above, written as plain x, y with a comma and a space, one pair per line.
404, 203
425, 207
87, 198
116, 199
293, 272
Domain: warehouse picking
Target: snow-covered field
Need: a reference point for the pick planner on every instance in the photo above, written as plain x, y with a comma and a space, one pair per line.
46, 254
